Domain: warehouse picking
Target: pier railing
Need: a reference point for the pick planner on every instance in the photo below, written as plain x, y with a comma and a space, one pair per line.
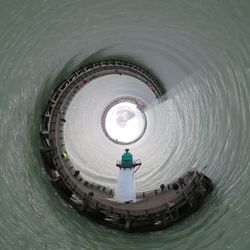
54, 145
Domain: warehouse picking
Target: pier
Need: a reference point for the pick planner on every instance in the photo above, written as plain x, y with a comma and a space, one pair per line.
153, 209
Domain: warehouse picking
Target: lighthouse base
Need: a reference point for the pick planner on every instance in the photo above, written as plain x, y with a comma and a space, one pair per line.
125, 190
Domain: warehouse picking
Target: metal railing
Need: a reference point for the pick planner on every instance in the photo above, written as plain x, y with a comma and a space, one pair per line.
57, 108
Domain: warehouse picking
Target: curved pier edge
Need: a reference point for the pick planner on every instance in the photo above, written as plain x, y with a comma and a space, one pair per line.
88, 198
157, 218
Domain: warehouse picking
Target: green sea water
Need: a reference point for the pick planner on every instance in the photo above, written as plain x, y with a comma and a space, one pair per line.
200, 52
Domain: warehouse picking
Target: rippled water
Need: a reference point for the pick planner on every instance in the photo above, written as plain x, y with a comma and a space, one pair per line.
199, 51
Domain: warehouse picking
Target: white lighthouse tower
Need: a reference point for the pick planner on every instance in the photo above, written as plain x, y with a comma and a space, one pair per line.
125, 190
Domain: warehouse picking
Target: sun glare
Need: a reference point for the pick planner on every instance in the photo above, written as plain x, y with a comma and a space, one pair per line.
124, 122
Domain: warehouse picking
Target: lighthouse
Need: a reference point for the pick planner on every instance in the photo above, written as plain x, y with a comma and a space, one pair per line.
125, 190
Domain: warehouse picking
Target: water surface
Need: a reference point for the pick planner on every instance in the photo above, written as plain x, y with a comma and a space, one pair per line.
199, 50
